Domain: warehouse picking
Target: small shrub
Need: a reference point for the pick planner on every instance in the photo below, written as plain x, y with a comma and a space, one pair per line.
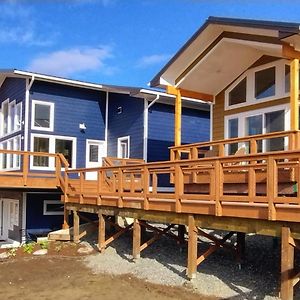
29, 247
44, 244
12, 252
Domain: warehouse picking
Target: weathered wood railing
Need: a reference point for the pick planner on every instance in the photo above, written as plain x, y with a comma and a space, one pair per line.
21, 168
115, 161
290, 140
262, 186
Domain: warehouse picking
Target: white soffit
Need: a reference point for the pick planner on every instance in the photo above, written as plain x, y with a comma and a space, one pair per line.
224, 63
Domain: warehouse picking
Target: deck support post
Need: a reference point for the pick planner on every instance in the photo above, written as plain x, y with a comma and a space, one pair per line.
101, 233
75, 227
65, 225
136, 243
240, 247
287, 265
192, 248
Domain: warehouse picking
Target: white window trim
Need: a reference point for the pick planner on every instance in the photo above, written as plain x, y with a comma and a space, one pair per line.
250, 87
121, 139
52, 139
51, 104
243, 115
51, 213
18, 123
99, 142
15, 220
15, 156
2, 118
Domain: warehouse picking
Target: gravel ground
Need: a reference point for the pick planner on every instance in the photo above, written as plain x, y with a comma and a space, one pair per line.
164, 262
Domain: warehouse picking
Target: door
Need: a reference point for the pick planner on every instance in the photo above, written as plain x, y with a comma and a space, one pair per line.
95, 151
3, 220
124, 147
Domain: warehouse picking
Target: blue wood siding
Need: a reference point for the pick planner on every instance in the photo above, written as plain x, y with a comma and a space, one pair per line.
195, 128
35, 218
128, 122
73, 106
14, 89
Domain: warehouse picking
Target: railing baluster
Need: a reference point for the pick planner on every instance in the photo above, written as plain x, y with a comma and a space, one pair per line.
99, 186
154, 183
272, 187
253, 146
146, 177
81, 179
219, 187
179, 187
25, 168
120, 187
57, 169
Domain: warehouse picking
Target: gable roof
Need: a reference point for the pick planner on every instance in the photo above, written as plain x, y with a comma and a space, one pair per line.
273, 32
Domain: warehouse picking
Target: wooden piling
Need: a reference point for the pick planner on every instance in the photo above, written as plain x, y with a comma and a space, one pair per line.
192, 248
136, 244
287, 265
101, 232
75, 226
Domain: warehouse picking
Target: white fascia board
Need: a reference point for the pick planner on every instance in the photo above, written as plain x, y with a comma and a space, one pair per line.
60, 80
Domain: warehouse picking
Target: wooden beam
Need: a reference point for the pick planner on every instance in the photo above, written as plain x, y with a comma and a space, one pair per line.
290, 52
190, 94
101, 232
178, 111
294, 93
287, 265
192, 248
136, 243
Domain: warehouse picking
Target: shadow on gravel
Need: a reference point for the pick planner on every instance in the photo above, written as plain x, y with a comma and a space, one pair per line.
257, 279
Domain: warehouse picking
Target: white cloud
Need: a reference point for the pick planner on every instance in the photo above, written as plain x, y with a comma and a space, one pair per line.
75, 60
150, 60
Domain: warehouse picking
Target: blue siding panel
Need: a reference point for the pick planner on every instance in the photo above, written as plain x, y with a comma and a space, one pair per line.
195, 128
14, 89
128, 122
35, 218
73, 106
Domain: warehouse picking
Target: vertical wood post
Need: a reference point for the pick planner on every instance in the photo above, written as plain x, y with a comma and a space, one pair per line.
287, 265
101, 232
75, 227
192, 248
178, 110
294, 93
136, 242
25, 168
66, 217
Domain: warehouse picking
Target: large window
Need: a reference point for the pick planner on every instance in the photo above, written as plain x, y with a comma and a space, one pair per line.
287, 71
42, 115
258, 122
11, 117
11, 161
265, 83
238, 94
52, 144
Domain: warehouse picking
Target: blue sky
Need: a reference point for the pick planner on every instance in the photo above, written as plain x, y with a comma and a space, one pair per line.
123, 42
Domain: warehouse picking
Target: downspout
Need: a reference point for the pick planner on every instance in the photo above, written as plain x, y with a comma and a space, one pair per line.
26, 117
146, 119
106, 122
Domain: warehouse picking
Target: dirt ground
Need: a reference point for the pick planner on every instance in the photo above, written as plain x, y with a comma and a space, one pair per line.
60, 277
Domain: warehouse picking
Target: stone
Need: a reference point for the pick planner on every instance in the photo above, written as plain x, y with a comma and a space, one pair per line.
4, 255
85, 250
40, 252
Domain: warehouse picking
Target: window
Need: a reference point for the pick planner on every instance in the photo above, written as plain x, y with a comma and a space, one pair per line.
52, 144
41, 145
238, 94
287, 71
265, 83
65, 147
11, 117
11, 161
53, 208
258, 122
13, 214
124, 147
42, 115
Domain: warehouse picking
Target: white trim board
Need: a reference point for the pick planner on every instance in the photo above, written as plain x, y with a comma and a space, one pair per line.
51, 117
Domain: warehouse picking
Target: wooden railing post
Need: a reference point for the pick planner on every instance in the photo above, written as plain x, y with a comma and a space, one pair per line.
57, 169
99, 186
221, 150
219, 175
66, 187
179, 187
146, 187
81, 182
272, 187
253, 146
25, 168
120, 187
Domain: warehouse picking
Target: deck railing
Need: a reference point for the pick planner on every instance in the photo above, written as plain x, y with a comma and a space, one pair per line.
261, 185
114, 161
288, 140
20, 168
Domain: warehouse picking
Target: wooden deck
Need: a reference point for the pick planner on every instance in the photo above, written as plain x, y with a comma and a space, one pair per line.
202, 186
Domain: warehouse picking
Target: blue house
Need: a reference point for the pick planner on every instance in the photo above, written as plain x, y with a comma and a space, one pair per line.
85, 122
